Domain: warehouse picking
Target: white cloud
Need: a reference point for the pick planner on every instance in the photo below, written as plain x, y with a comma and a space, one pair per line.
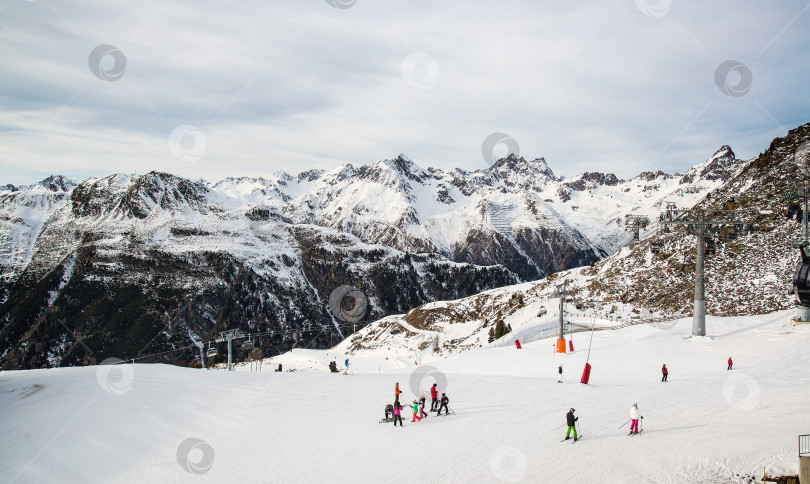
594, 86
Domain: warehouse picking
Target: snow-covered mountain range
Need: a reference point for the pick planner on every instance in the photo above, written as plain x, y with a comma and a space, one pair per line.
748, 274
128, 265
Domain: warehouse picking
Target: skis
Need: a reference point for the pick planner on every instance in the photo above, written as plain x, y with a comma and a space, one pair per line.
634, 433
579, 437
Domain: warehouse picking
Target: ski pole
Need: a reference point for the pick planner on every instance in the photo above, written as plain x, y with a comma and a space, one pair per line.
622, 425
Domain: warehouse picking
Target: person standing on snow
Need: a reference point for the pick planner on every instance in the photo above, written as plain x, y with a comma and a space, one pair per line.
572, 425
634, 418
397, 414
347, 364
730, 363
664, 372
415, 408
444, 402
434, 396
422, 412
560, 370
397, 391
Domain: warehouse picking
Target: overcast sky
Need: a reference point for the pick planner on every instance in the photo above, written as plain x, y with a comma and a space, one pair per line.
209, 89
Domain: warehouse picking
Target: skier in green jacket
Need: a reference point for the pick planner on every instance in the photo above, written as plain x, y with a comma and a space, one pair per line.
415, 408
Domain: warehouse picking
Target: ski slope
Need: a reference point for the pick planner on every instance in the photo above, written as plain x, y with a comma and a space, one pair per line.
132, 423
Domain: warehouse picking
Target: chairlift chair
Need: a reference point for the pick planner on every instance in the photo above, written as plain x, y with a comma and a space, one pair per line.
800, 277
711, 246
655, 247
248, 345
212, 351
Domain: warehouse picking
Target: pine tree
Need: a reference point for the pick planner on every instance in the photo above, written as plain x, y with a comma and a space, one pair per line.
491, 335
500, 329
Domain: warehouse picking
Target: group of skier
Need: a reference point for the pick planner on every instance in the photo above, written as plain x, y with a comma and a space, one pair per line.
394, 412
635, 417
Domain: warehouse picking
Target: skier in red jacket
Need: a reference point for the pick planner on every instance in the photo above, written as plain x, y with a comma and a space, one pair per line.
434, 396
664, 372
729, 363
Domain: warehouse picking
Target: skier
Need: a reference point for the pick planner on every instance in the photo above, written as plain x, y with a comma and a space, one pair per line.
571, 421
443, 405
422, 412
397, 391
347, 364
415, 408
560, 370
434, 398
389, 412
664, 372
730, 363
397, 414
634, 418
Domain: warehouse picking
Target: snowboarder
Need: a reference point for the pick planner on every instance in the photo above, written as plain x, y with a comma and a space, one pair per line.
634, 418
397, 391
397, 414
389, 412
443, 405
560, 371
572, 422
730, 363
415, 408
664, 372
422, 412
434, 398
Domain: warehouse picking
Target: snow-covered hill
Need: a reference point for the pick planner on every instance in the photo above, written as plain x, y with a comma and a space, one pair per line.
157, 423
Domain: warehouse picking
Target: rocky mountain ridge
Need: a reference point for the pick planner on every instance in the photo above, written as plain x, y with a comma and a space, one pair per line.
131, 265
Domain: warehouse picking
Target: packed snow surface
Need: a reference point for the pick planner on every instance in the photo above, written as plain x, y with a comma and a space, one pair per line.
138, 423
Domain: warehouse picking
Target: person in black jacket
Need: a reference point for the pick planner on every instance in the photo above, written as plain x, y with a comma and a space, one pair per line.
571, 420
444, 402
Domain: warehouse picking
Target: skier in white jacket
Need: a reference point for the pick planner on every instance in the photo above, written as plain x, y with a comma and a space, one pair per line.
634, 417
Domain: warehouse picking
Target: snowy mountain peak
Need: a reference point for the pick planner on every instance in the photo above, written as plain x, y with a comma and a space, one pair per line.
724, 151
514, 163
721, 166
57, 183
